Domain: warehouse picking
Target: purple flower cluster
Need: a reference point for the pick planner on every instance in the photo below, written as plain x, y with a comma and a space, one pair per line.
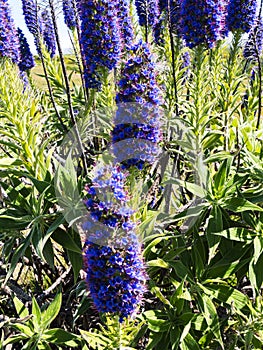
254, 44
69, 13
48, 33
200, 22
125, 22
30, 15
138, 82
107, 191
148, 12
115, 277
115, 273
26, 58
100, 39
241, 15
136, 134
9, 45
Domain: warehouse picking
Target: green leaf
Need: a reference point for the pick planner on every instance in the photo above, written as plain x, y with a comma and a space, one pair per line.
23, 328
210, 314
189, 343
19, 252
215, 224
228, 295
181, 270
239, 205
52, 311
237, 234
157, 321
96, 341
21, 310
191, 187
59, 336
76, 262
9, 162
64, 238
36, 312
158, 263
231, 262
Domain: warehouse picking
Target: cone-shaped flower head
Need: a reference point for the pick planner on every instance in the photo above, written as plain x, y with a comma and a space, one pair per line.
9, 45
254, 44
125, 22
201, 22
136, 134
26, 58
138, 78
30, 14
115, 273
48, 33
100, 38
69, 13
148, 12
241, 15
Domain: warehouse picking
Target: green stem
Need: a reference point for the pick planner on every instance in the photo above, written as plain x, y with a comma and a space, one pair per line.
68, 92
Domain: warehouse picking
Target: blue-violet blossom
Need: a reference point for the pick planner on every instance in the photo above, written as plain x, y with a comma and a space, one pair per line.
100, 39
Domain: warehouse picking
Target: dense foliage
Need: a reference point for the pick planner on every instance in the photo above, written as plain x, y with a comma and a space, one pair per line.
131, 176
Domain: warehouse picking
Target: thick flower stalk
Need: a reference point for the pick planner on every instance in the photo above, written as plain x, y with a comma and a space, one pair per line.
100, 39
241, 15
9, 45
136, 134
26, 58
48, 33
69, 13
201, 22
115, 272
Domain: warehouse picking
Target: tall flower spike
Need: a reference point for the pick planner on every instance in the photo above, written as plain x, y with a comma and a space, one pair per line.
100, 39
125, 22
148, 12
9, 45
200, 22
136, 134
69, 13
254, 44
30, 14
48, 33
27, 60
241, 15
115, 273
170, 13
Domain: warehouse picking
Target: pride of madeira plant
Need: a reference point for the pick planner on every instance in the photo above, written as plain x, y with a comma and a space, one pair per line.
131, 169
